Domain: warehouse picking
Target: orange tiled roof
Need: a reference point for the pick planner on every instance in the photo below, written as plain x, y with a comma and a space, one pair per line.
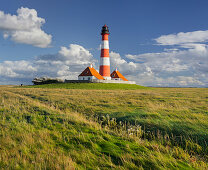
117, 74
90, 71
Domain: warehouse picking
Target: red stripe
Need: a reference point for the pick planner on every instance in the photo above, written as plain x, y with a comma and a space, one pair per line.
105, 37
105, 71
104, 53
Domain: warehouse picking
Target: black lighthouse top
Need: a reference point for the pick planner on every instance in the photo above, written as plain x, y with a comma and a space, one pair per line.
105, 30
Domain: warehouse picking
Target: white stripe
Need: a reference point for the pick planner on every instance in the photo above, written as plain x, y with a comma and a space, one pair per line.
105, 44
104, 61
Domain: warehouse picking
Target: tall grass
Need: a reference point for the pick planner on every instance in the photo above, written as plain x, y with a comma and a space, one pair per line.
94, 129
170, 110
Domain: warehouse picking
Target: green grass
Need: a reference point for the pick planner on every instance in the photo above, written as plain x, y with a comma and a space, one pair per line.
170, 110
57, 128
104, 86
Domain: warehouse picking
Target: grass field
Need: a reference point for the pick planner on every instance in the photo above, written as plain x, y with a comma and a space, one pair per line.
124, 127
103, 86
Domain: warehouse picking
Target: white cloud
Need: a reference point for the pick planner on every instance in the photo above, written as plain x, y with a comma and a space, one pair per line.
25, 27
185, 65
76, 54
186, 81
121, 64
183, 38
13, 69
175, 66
66, 64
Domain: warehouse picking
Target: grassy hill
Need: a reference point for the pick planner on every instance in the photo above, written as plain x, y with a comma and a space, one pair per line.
104, 86
66, 126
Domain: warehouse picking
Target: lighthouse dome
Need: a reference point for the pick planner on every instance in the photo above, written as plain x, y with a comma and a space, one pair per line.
105, 30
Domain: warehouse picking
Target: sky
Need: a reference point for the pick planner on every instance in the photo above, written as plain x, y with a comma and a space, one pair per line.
155, 43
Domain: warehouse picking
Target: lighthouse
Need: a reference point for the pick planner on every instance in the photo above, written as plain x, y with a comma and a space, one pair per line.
104, 57
104, 76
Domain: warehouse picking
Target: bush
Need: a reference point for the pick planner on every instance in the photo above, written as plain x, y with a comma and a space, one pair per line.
46, 80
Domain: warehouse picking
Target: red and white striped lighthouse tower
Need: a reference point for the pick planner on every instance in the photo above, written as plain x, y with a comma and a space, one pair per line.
104, 57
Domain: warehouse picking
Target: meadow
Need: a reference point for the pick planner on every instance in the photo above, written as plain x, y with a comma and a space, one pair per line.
102, 126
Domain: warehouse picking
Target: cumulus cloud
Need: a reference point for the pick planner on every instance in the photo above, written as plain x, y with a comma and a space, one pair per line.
20, 69
76, 54
66, 64
182, 66
25, 27
167, 72
183, 38
69, 61
121, 64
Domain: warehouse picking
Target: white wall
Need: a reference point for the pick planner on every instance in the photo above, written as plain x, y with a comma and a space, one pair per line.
86, 78
116, 79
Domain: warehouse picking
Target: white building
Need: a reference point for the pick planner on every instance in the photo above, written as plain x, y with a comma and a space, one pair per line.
90, 74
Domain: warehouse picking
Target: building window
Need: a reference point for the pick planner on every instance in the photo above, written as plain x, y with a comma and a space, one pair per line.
83, 78
88, 78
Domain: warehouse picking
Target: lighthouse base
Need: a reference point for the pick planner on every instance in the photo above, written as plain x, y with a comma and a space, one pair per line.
113, 81
107, 78
100, 81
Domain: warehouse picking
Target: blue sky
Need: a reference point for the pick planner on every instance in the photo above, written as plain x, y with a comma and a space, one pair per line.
156, 43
